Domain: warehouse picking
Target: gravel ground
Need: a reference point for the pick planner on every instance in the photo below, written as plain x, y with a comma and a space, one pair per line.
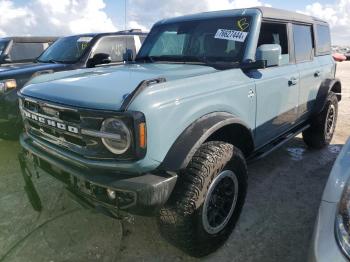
277, 221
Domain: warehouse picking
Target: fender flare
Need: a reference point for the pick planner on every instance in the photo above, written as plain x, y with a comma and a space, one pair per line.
322, 94
186, 145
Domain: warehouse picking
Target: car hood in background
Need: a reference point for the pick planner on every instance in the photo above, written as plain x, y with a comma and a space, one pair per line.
10, 71
105, 88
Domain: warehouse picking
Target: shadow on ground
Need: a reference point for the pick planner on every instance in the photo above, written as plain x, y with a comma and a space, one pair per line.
276, 224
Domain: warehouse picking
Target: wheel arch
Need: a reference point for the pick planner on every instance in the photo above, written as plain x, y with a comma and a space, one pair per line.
327, 86
220, 126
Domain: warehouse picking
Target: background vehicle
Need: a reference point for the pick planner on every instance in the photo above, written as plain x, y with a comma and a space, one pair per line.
172, 132
332, 233
25, 49
67, 53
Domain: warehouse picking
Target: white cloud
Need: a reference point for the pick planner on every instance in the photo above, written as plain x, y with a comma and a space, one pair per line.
64, 17
171, 8
54, 17
136, 25
337, 15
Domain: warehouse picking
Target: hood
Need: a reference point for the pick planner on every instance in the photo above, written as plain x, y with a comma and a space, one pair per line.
105, 88
13, 70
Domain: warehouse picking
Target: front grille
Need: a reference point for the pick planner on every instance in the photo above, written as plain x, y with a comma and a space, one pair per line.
39, 117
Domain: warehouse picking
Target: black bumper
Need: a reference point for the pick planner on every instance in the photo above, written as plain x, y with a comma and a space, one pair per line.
137, 194
10, 118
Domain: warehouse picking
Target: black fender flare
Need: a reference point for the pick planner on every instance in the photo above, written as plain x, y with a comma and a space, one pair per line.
323, 92
194, 136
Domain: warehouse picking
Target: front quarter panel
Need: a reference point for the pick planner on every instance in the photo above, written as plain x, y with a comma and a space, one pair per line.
172, 106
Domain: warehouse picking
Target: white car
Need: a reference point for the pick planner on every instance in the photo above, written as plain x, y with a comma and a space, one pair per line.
331, 240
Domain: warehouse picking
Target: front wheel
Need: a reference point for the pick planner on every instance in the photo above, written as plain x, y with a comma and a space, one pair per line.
321, 131
207, 200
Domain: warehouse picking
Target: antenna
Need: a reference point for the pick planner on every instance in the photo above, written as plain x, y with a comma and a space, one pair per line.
125, 2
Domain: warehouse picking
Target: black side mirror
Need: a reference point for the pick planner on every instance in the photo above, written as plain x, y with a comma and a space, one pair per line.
128, 56
258, 64
99, 59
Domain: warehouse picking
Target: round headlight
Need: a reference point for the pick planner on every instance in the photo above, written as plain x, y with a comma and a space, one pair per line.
121, 141
342, 221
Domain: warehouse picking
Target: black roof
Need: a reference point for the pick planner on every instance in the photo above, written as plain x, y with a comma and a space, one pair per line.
31, 39
123, 32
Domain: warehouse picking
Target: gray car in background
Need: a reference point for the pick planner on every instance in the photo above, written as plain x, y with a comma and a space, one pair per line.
331, 240
25, 49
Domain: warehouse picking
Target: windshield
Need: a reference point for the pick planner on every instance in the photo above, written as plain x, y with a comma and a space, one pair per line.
66, 50
210, 40
3, 45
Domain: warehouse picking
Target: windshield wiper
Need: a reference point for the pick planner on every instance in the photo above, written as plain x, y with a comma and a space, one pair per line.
145, 58
215, 62
50, 61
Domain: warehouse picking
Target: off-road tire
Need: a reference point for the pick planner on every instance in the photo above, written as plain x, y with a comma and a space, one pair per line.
181, 219
317, 135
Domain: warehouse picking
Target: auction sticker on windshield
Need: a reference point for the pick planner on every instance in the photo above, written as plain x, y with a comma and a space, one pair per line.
231, 35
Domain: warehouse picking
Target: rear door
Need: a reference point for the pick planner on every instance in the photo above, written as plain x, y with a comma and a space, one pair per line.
277, 88
310, 70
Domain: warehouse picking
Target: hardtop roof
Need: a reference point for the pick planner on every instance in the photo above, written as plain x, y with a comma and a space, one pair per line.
280, 14
266, 12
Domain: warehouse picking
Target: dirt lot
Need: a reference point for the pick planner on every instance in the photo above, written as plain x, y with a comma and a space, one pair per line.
276, 224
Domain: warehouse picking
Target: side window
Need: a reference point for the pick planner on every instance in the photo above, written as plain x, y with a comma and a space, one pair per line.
142, 39
323, 39
303, 43
273, 33
115, 46
26, 51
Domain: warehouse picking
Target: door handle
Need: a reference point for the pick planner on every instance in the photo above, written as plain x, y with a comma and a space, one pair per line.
317, 74
293, 81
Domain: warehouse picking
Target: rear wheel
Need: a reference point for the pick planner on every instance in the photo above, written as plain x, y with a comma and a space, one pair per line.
322, 128
207, 200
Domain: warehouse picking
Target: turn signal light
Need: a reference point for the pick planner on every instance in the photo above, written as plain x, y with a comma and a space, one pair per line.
142, 135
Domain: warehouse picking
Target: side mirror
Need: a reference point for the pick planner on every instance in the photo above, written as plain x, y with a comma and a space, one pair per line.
271, 53
7, 59
99, 59
128, 56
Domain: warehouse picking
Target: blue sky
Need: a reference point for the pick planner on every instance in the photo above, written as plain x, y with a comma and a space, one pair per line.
62, 17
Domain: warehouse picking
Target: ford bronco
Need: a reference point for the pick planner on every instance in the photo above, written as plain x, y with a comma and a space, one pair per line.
67, 53
171, 133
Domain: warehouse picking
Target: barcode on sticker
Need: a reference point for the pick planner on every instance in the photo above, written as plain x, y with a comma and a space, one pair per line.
231, 35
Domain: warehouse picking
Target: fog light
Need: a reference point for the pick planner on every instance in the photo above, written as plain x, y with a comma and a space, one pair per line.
111, 194
8, 84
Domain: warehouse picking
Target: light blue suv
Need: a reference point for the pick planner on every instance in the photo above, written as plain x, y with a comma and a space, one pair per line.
171, 133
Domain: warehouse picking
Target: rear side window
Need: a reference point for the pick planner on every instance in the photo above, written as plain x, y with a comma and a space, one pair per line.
26, 51
303, 43
323, 38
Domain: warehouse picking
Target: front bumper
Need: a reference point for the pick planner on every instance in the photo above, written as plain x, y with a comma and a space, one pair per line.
10, 119
324, 246
137, 194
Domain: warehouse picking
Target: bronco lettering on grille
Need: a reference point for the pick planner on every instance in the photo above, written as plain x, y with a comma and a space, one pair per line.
50, 122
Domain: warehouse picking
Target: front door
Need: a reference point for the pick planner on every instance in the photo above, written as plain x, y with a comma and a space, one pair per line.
277, 88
